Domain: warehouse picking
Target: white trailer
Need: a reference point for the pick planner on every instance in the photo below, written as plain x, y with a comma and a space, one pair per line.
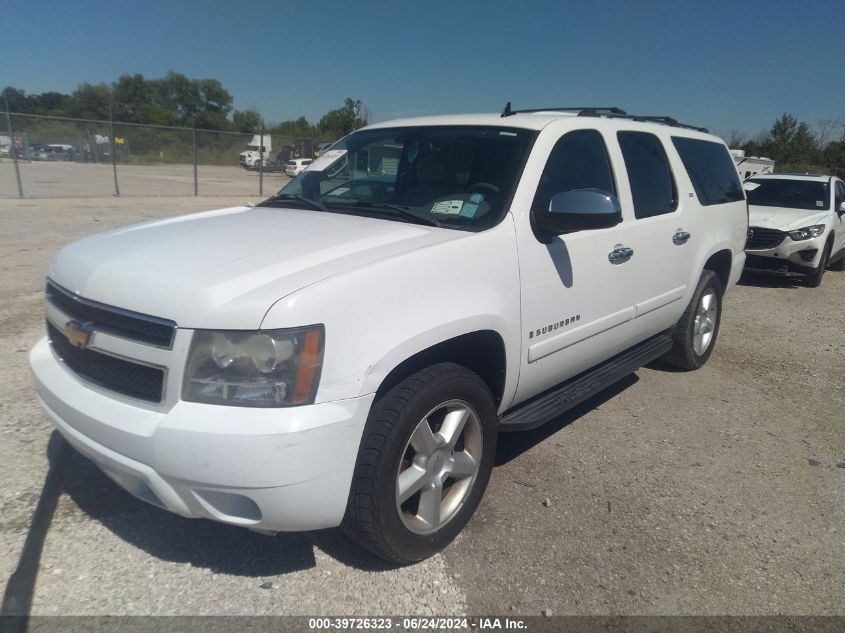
748, 166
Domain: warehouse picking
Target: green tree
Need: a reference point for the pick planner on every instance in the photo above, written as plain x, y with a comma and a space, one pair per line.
298, 128
340, 122
90, 102
834, 158
790, 142
246, 121
16, 99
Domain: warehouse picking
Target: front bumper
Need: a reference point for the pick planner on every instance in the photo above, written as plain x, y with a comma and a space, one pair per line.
760, 265
269, 469
787, 258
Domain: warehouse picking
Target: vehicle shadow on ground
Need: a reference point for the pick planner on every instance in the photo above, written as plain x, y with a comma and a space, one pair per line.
771, 281
17, 597
202, 543
513, 444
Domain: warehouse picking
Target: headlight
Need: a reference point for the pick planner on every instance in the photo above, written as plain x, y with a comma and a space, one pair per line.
271, 368
807, 232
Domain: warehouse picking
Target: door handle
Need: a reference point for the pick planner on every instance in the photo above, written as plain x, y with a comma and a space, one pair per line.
680, 237
620, 254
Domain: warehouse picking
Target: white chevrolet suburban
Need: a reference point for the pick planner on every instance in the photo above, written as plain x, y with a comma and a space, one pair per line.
796, 225
347, 351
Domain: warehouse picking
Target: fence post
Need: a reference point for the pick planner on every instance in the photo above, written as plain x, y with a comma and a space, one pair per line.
13, 149
261, 158
194, 140
111, 148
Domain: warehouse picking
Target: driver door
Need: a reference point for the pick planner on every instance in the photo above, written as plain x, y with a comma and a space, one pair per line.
577, 296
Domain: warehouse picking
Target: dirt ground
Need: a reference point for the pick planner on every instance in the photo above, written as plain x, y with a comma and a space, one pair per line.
720, 491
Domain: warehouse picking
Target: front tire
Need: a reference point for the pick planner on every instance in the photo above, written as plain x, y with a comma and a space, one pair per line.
696, 331
424, 462
838, 265
814, 279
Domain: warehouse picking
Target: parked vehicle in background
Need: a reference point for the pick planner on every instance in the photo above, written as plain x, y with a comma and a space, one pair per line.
257, 149
61, 152
294, 167
347, 351
322, 147
40, 153
796, 225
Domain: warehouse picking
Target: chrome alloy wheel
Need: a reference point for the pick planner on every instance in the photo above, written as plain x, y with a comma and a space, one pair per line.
705, 321
439, 466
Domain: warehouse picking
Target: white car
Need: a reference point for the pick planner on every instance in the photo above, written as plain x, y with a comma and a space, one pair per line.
295, 166
347, 351
796, 225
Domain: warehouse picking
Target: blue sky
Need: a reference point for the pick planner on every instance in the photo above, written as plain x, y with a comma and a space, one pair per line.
725, 65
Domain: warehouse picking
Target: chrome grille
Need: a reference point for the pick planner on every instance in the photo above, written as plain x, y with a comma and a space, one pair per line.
762, 239
124, 323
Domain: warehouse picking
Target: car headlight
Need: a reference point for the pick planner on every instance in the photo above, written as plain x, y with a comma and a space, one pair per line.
269, 368
808, 232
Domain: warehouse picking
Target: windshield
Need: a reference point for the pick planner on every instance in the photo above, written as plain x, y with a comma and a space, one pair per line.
786, 192
459, 177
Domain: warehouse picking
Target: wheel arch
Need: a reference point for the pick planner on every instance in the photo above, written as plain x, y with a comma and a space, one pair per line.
481, 351
720, 263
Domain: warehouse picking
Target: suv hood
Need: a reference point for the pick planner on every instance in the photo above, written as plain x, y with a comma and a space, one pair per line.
784, 219
224, 269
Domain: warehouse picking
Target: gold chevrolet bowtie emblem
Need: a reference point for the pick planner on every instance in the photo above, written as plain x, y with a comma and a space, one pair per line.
78, 334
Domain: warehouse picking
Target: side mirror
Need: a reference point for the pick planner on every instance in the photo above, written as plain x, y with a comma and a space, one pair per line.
580, 210
841, 208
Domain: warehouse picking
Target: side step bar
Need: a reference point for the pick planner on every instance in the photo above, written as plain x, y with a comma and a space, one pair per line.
559, 399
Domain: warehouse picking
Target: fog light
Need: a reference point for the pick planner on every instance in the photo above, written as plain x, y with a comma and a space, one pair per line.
809, 254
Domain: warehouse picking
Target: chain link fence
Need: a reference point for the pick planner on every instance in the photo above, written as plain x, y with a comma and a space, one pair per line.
57, 157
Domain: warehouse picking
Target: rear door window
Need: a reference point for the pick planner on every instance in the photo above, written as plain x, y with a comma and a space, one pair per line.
711, 170
652, 184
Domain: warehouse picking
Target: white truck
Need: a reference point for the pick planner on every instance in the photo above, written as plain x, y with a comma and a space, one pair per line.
258, 149
348, 351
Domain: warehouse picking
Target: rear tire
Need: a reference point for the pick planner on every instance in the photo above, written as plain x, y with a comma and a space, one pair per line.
424, 461
696, 331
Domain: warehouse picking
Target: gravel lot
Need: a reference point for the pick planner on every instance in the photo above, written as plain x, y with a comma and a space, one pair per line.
715, 492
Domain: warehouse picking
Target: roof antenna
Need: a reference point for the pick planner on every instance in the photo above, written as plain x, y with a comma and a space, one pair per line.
507, 110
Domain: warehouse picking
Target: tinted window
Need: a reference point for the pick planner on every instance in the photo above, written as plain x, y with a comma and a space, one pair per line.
790, 193
577, 161
840, 194
652, 185
711, 170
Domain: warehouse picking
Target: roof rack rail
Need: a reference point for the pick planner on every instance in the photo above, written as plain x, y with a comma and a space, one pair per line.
667, 120
611, 112
581, 110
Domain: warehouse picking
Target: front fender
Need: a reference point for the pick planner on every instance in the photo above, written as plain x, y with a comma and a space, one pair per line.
379, 314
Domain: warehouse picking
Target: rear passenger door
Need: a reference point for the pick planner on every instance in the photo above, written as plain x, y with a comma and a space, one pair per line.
661, 233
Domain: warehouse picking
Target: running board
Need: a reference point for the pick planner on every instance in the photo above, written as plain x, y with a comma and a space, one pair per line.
559, 399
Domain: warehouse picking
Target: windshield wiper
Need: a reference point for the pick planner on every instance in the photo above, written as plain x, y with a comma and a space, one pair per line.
296, 197
403, 211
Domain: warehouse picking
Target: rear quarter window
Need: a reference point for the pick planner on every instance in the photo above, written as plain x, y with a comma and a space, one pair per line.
711, 170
